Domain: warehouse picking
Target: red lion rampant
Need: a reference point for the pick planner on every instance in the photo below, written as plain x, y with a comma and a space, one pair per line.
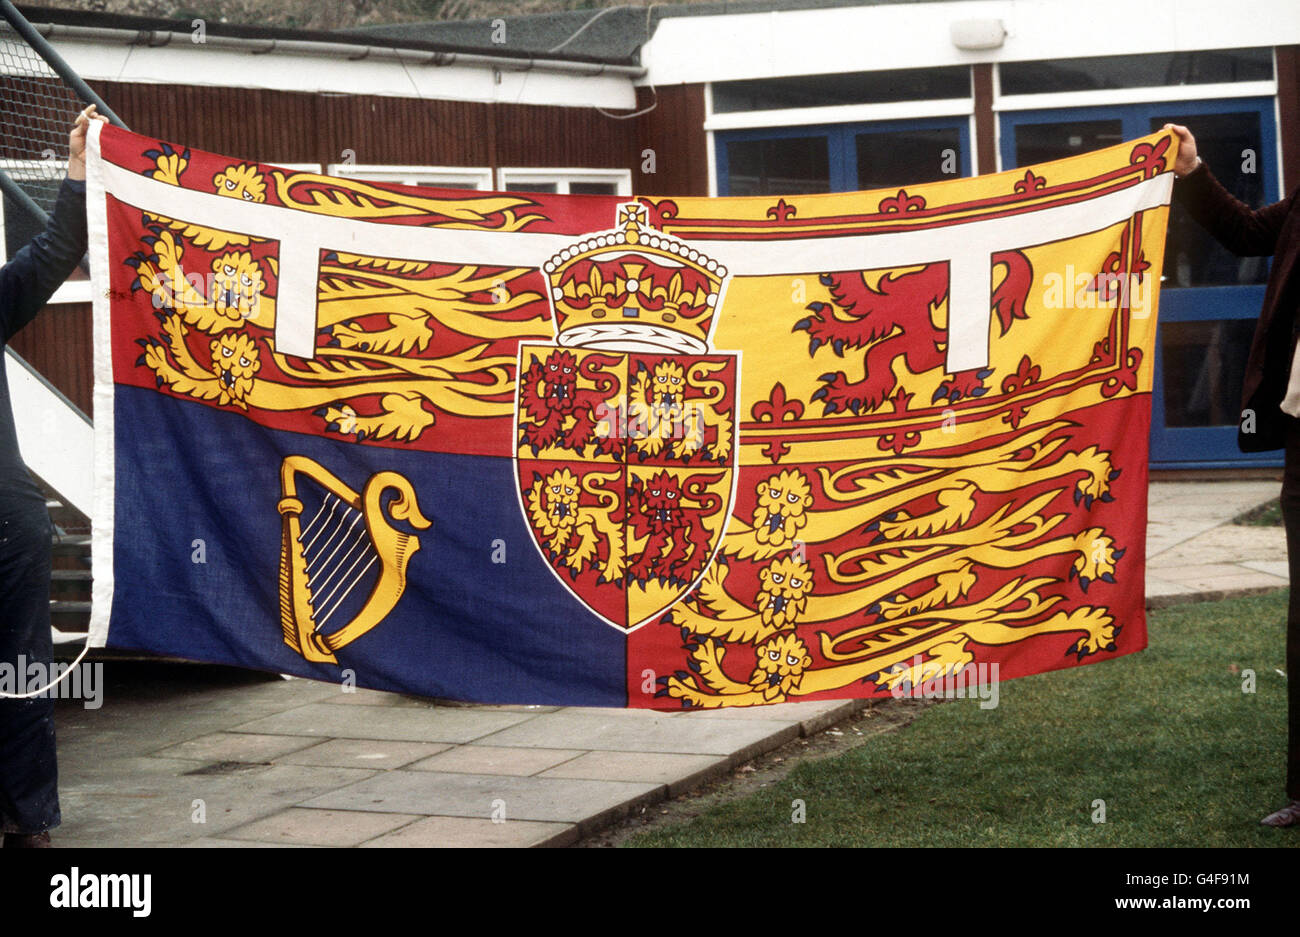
563, 414
893, 321
679, 544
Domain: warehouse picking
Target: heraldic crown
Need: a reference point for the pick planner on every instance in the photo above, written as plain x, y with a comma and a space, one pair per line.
634, 288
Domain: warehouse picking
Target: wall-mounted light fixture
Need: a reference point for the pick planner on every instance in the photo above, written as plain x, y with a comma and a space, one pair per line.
977, 34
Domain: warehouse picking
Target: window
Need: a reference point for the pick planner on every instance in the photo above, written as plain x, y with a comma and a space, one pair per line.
1203, 364
789, 166
911, 84
1209, 298
896, 157
437, 177
1041, 143
1235, 136
1233, 144
842, 157
566, 181
1137, 71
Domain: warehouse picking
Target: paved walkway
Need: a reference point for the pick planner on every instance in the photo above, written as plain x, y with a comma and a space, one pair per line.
1194, 551
216, 757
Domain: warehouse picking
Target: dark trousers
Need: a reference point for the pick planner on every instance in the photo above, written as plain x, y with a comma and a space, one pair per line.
29, 794
1291, 516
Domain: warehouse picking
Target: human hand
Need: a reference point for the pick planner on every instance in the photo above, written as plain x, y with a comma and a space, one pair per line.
77, 142
1187, 159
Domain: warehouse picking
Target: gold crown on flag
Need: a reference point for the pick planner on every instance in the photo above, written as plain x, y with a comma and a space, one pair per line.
634, 288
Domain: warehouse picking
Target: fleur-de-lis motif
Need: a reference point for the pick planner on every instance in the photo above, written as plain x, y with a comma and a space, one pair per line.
902, 202
781, 211
1101, 351
1109, 281
1125, 376
1027, 373
1031, 183
776, 409
898, 441
1150, 158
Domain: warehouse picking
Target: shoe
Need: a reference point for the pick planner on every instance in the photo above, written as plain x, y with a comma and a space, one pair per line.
27, 841
1287, 816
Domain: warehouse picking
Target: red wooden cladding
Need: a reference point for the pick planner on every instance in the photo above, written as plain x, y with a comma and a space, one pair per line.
1288, 105
296, 127
986, 147
533, 135
299, 127
674, 129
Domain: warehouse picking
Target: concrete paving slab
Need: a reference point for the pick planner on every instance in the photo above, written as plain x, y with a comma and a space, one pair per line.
104, 774
1183, 511
133, 723
380, 754
436, 724
500, 707
810, 716
490, 759
1278, 568
1201, 515
1158, 587
679, 772
648, 732
216, 842
606, 712
1230, 543
364, 697
1237, 581
1184, 532
1192, 573
479, 795
158, 805
1208, 494
237, 746
301, 826
452, 832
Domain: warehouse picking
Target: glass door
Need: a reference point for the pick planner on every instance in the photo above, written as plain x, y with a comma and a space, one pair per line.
1209, 299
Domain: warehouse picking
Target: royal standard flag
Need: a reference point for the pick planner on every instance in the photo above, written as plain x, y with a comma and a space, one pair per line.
639, 452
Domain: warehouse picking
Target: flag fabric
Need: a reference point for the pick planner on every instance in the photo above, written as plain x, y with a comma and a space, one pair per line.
617, 451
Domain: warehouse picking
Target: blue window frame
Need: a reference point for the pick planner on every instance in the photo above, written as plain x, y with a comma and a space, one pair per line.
839, 142
1212, 321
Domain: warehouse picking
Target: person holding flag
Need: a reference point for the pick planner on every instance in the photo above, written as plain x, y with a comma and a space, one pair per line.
29, 801
1270, 396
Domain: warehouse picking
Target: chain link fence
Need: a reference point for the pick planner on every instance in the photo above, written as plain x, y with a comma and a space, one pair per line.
36, 110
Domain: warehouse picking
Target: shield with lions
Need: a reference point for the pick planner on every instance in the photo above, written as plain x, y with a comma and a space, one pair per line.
625, 428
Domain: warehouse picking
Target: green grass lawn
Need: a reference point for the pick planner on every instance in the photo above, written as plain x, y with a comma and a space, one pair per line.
1268, 514
1166, 737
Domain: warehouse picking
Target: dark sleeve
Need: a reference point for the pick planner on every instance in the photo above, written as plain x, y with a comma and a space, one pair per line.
1245, 231
35, 272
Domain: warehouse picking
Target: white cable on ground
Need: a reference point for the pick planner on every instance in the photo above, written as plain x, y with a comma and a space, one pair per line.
49, 686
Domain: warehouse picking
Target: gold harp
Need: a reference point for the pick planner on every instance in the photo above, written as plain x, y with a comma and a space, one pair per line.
323, 561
